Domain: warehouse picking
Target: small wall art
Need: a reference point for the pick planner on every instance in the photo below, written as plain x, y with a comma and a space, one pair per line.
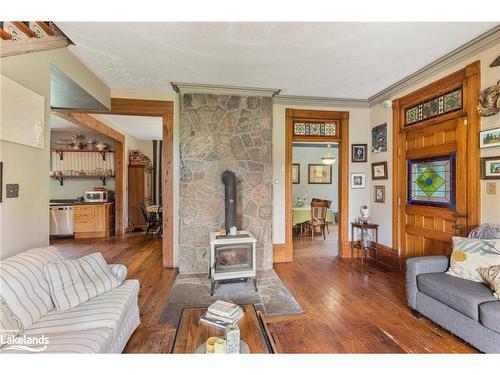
358, 153
379, 171
490, 168
489, 138
358, 181
379, 194
320, 174
379, 138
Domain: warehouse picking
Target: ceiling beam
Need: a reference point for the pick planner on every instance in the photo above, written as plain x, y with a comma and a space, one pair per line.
18, 47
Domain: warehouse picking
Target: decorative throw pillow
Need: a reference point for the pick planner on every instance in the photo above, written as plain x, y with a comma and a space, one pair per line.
492, 276
486, 231
73, 282
469, 254
10, 325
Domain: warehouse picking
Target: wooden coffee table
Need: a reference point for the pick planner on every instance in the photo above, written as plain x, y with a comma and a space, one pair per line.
191, 334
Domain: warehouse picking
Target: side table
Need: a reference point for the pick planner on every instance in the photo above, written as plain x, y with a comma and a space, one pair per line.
358, 244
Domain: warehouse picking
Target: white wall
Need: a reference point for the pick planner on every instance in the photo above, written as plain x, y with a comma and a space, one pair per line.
359, 132
312, 155
25, 220
490, 204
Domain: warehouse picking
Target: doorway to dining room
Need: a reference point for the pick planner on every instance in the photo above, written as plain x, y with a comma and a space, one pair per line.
315, 191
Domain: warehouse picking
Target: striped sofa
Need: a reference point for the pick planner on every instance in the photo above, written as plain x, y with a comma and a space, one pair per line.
103, 324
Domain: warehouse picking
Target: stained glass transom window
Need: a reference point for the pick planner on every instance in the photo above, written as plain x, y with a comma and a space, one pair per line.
315, 129
431, 181
438, 106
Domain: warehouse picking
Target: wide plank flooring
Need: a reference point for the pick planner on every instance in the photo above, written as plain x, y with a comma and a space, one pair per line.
347, 309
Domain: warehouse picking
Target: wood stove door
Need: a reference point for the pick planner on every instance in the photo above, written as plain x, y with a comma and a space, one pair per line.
233, 258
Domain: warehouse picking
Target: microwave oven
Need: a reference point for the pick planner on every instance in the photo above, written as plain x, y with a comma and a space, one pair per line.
95, 196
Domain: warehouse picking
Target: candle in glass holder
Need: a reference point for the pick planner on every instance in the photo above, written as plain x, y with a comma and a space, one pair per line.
220, 346
210, 345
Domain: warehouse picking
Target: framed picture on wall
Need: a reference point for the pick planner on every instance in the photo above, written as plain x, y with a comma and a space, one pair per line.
379, 194
358, 153
295, 173
490, 168
379, 171
379, 138
320, 174
358, 180
489, 138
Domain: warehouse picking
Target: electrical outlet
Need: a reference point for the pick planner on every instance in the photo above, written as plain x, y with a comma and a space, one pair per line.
491, 188
12, 190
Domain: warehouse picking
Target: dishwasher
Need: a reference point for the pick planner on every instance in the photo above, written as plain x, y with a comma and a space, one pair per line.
61, 221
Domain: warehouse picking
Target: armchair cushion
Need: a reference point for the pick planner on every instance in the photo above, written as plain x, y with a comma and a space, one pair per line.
120, 271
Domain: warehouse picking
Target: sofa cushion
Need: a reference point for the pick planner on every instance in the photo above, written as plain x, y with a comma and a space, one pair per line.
469, 254
105, 311
23, 285
86, 341
462, 295
73, 282
489, 314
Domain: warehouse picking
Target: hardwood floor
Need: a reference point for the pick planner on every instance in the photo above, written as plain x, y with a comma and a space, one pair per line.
306, 246
346, 309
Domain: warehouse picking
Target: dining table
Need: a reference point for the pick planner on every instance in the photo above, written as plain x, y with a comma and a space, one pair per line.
303, 214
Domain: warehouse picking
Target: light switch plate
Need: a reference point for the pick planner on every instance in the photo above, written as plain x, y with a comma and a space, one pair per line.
12, 190
491, 188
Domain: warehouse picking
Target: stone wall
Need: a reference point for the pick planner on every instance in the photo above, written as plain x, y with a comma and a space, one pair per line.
219, 133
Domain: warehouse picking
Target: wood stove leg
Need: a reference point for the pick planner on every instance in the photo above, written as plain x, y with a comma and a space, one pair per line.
213, 284
255, 283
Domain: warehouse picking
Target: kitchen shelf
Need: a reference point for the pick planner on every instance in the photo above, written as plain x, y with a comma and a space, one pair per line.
102, 178
61, 151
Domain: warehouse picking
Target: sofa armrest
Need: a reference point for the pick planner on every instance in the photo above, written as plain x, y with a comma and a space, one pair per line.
418, 265
119, 270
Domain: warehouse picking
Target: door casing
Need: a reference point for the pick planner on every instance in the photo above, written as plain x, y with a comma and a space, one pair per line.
469, 78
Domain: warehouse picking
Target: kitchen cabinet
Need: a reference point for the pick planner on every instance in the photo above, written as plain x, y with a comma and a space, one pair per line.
94, 220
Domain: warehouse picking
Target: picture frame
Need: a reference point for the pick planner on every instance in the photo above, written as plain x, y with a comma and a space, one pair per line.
379, 171
489, 138
379, 194
295, 173
358, 153
319, 174
379, 138
358, 180
490, 168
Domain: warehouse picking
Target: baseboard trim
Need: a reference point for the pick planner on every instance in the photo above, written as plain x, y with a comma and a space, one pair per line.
279, 253
386, 255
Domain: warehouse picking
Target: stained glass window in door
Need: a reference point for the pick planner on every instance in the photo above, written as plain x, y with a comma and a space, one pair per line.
431, 181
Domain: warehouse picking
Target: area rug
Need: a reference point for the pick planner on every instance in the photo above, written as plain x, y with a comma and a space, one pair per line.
272, 297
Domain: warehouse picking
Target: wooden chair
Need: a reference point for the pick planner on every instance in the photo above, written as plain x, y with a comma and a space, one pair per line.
151, 219
318, 218
325, 202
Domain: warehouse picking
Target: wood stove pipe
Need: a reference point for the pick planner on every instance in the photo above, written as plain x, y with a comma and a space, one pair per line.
229, 180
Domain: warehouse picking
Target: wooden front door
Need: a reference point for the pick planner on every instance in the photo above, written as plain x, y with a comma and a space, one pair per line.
436, 161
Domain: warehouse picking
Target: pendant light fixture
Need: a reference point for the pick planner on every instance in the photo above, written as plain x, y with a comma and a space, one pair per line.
329, 159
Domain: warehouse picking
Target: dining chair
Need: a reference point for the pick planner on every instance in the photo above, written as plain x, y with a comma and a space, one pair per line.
159, 214
318, 218
150, 218
328, 205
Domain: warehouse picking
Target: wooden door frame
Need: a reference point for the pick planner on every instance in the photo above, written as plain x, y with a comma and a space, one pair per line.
89, 122
342, 119
469, 78
140, 107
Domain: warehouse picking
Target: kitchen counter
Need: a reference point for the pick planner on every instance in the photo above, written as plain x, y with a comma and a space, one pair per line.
76, 203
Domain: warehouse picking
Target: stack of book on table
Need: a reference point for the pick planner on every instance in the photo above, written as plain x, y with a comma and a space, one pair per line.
220, 314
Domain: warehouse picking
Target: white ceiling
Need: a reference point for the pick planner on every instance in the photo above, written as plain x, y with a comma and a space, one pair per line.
342, 60
144, 128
